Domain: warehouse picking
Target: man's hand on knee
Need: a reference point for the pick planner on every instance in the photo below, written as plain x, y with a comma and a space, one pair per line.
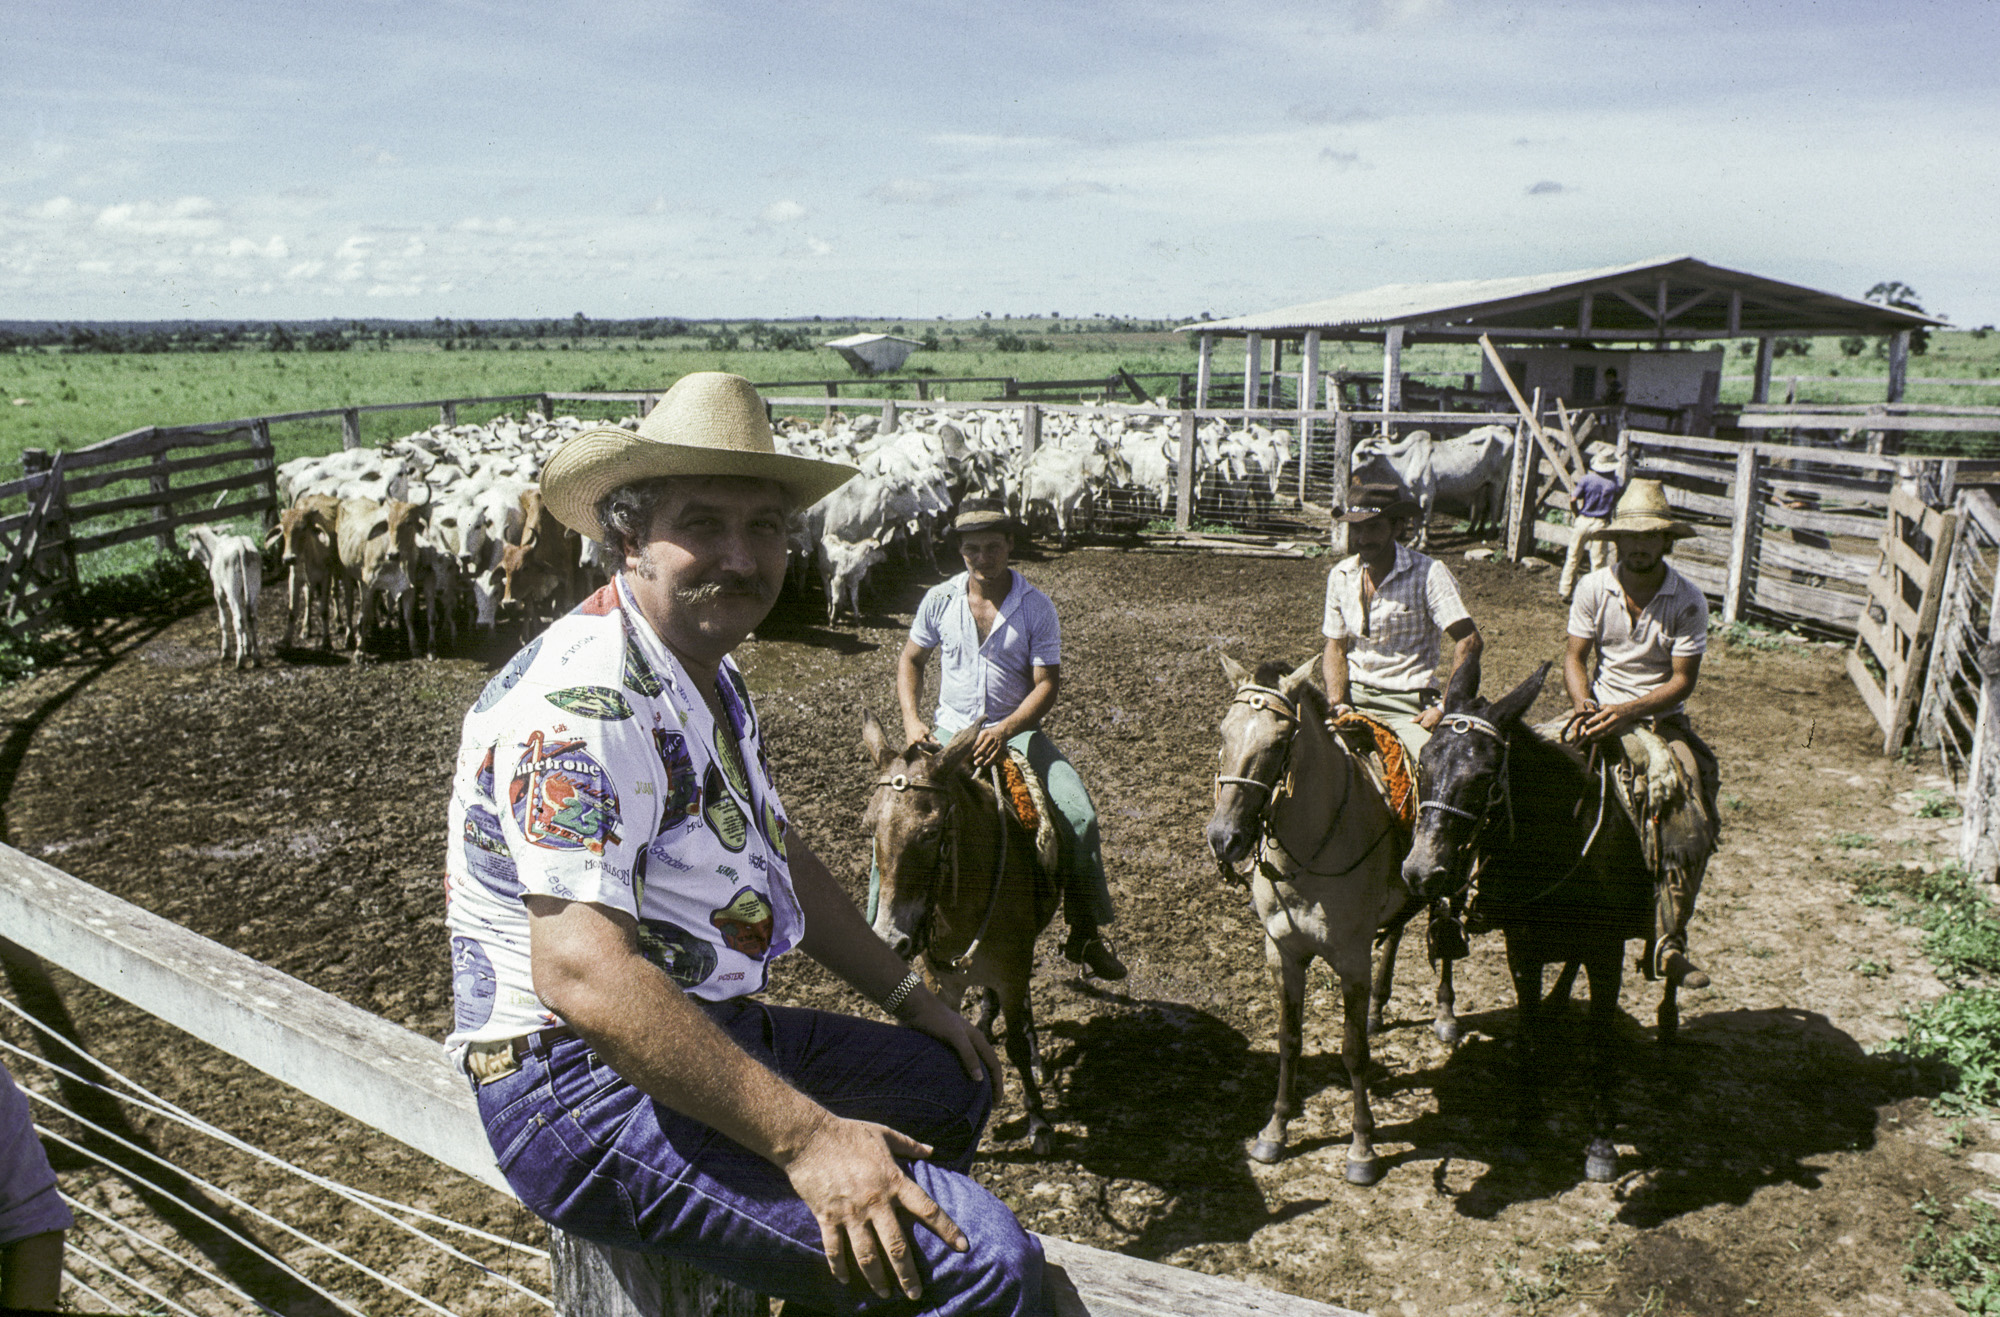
848, 1173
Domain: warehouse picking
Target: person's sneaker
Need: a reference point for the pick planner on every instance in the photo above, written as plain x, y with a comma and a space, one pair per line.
1675, 965
1088, 949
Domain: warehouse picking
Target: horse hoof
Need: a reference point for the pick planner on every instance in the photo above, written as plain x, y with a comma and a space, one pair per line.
1600, 1162
1447, 1032
1367, 1172
1265, 1151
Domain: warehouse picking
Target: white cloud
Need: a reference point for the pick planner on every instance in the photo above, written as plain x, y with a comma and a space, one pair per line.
784, 212
917, 192
274, 249
354, 249
186, 217
55, 208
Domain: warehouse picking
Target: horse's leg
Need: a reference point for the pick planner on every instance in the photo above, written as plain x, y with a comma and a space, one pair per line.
989, 1011
1524, 964
1387, 942
1446, 935
1600, 1156
1363, 1166
1670, 1011
1288, 980
1558, 998
1445, 1026
1024, 1054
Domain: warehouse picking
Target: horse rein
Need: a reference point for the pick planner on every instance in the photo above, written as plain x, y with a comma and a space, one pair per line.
1265, 700
904, 782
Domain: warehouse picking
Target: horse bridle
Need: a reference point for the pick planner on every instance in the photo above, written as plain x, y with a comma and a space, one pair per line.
1266, 699
904, 782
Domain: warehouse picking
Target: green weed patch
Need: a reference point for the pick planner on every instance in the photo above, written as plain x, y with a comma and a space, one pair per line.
1961, 926
1958, 1250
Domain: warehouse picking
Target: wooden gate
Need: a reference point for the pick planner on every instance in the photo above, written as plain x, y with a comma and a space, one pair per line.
1893, 633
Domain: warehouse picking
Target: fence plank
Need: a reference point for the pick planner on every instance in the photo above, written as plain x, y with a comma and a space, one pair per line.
1775, 452
1774, 551
126, 534
152, 498
1851, 525
1813, 604
99, 478
1857, 421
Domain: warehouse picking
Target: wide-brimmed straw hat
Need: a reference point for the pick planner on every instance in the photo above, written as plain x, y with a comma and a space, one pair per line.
1643, 509
984, 514
1367, 502
1605, 461
707, 424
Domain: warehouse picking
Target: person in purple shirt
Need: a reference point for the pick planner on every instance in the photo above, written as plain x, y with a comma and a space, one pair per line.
1002, 647
1596, 497
33, 1215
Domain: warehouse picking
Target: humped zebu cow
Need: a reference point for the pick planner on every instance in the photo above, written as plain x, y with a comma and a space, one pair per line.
1470, 468
236, 573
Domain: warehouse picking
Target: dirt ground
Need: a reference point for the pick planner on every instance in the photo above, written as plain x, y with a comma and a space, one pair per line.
1767, 1163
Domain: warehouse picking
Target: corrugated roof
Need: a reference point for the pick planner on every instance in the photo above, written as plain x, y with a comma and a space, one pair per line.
1672, 297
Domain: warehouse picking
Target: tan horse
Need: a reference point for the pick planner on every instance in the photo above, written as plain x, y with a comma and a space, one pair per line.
962, 888
1327, 875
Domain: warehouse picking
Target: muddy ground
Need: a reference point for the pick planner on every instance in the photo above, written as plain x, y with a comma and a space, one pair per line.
1767, 1163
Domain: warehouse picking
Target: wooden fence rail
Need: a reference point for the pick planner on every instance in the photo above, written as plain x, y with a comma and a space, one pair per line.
400, 1083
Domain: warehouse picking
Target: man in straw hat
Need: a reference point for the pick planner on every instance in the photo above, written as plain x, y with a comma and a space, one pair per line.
621, 878
1002, 669
1388, 609
1596, 496
1648, 625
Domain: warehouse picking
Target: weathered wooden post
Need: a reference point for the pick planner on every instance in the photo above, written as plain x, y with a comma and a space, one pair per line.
448, 413
1979, 836
1184, 477
1746, 521
266, 461
1899, 364
1204, 370
1523, 490
350, 428
53, 536
548, 406
889, 419
1253, 369
1031, 432
1760, 386
591, 1280
163, 510
1343, 465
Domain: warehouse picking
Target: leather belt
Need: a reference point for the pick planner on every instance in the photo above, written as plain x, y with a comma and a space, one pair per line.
488, 1062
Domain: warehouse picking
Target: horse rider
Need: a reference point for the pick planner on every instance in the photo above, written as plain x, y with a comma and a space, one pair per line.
1648, 626
1388, 608
1002, 670
621, 879
1596, 496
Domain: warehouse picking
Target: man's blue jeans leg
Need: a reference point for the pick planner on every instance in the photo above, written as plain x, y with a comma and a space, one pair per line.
590, 1153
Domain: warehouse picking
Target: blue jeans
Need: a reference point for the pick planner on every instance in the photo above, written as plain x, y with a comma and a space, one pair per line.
595, 1156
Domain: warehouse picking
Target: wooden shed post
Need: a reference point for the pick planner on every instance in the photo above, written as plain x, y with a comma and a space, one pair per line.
1521, 494
1031, 432
890, 420
1760, 387
1343, 461
1204, 371
1899, 364
1745, 522
591, 1280
1253, 369
548, 406
1184, 477
350, 428
1392, 369
1309, 371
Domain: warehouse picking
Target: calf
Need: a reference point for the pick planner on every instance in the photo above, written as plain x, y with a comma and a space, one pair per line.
236, 571
306, 533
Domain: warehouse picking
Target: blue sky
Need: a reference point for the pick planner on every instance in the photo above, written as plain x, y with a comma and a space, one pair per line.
468, 158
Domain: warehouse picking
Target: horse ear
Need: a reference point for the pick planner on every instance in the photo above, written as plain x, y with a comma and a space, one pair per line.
1298, 676
1464, 687
954, 755
1509, 707
1236, 672
871, 737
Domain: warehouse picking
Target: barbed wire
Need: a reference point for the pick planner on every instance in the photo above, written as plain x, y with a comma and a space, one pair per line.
386, 1210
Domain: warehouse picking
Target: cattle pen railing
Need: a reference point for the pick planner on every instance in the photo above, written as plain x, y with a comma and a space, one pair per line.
399, 1083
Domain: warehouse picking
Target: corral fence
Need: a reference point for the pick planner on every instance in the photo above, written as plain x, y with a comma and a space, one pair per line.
145, 485
399, 1083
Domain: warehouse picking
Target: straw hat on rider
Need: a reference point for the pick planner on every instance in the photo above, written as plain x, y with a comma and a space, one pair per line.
1367, 502
1605, 461
1643, 509
707, 424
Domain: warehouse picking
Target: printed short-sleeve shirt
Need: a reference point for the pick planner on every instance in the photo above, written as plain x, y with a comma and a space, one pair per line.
984, 682
1394, 642
1636, 658
590, 769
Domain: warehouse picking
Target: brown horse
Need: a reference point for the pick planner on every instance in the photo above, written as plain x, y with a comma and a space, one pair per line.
1329, 853
961, 887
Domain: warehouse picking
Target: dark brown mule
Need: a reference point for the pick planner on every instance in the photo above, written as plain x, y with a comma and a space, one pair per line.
1328, 853
959, 875
1560, 873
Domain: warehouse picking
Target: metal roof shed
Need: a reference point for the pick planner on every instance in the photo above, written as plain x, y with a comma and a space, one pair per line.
1667, 298
872, 354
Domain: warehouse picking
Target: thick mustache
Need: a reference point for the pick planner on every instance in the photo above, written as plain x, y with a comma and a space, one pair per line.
727, 588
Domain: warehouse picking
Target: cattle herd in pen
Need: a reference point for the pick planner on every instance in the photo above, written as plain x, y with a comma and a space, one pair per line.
444, 531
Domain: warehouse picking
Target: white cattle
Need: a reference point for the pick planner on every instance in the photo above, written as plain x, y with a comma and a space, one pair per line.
236, 572
1470, 468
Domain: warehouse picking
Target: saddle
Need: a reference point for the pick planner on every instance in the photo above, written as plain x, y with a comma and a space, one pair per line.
1030, 804
1382, 754
1656, 782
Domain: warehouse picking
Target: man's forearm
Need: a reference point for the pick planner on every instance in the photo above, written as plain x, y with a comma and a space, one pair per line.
1333, 667
1033, 708
909, 689
1576, 679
